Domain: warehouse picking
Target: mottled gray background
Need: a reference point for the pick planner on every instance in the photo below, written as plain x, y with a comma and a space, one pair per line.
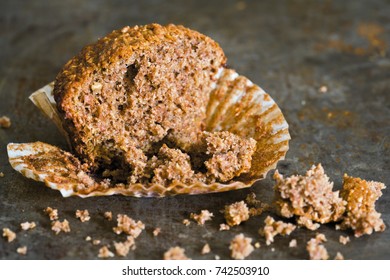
290, 48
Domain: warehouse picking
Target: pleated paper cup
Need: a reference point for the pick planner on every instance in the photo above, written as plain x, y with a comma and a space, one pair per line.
236, 105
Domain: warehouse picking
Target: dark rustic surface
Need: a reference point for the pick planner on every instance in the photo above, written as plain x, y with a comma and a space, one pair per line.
290, 48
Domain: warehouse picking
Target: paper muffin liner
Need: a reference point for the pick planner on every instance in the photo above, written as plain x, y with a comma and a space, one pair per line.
236, 105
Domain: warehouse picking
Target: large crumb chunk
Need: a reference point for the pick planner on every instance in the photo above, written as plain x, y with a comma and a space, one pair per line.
231, 155
27, 225
5, 122
240, 247
171, 165
22, 250
123, 248
201, 218
316, 250
83, 215
175, 253
273, 228
128, 226
53, 213
236, 213
9, 234
105, 253
361, 196
58, 226
310, 196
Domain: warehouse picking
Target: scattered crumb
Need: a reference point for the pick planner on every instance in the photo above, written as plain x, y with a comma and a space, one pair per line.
1, 174
323, 89
128, 226
272, 249
307, 223
344, 239
96, 241
83, 215
156, 231
22, 250
223, 227
361, 196
5, 122
88, 238
58, 226
217, 257
175, 253
201, 218
236, 213
339, 256
27, 225
186, 222
316, 250
104, 252
258, 206
240, 247
257, 245
123, 248
206, 249
108, 215
9, 234
273, 228
310, 196
53, 213
293, 243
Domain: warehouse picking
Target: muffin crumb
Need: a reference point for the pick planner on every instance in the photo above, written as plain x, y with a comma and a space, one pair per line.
88, 238
186, 222
201, 218
122, 248
339, 256
108, 215
83, 215
236, 213
310, 196
293, 243
128, 226
257, 245
9, 234
53, 213
223, 227
27, 225
344, 239
105, 253
205, 249
361, 215
58, 226
22, 250
1, 175
240, 247
96, 241
156, 231
5, 122
175, 253
316, 250
273, 228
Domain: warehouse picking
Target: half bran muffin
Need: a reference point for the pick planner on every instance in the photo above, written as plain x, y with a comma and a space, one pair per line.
134, 90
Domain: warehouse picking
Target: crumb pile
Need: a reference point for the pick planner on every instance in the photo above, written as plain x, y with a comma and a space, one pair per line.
309, 197
236, 213
316, 249
134, 105
175, 253
202, 217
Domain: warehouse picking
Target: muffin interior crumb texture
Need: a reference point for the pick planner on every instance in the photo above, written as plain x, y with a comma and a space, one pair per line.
134, 105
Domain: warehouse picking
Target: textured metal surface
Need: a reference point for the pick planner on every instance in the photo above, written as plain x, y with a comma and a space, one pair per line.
291, 49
